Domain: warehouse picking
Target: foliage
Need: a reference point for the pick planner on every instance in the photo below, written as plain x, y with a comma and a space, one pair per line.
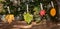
53, 12
9, 18
28, 17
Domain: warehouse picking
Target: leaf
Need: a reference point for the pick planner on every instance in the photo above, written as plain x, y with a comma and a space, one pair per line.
36, 14
9, 18
42, 12
53, 12
28, 17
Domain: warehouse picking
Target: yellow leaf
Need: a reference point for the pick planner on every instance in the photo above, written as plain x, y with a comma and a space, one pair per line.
9, 18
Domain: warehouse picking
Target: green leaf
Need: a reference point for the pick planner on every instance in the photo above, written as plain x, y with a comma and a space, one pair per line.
28, 17
36, 14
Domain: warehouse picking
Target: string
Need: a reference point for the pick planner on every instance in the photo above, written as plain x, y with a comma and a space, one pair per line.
8, 9
41, 6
